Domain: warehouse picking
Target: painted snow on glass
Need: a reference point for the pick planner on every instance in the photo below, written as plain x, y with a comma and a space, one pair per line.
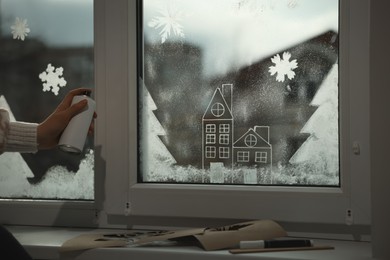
52, 79
57, 183
168, 22
234, 101
283, 67
260, 6
20, 29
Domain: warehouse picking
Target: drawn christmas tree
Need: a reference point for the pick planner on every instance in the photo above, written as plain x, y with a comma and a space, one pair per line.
321, 149
157, 160
14, 170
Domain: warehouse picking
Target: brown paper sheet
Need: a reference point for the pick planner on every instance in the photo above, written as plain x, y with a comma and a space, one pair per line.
90, 241
209, 238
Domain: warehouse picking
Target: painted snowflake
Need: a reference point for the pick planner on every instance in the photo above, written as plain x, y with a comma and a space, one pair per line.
283, 67
168, 22
20, 29
52, 79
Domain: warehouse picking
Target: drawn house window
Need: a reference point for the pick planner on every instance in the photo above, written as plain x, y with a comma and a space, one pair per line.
224, 138
250, 140
210, 128
224, 152
261, 157
218, 109
210, 151
210, 138
242, 156
224, 128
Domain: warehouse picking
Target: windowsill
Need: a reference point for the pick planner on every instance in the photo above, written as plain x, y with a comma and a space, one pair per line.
44, 242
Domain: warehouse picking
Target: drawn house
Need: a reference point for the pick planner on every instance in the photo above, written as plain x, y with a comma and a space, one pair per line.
217, 129
253, 149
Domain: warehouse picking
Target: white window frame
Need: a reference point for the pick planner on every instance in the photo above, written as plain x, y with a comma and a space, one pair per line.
321, 205
117, 193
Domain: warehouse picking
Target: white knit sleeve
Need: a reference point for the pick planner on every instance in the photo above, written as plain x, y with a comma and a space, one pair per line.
17, 136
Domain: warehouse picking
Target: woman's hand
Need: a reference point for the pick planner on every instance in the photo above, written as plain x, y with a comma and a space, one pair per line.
50, 130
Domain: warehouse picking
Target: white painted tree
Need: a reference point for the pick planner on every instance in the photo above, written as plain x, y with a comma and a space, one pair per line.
13, 169
320, 152
157, 160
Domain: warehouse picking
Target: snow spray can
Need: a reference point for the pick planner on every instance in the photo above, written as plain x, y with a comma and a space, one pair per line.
73, 138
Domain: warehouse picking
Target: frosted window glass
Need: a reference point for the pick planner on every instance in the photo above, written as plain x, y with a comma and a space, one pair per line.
260, 75
46, 49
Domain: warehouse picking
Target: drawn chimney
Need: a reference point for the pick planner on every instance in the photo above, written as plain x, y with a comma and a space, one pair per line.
227, 93
263, 131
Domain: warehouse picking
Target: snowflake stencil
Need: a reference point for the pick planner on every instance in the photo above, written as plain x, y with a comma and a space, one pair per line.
283, 67
53, 79
20, 29
168, 21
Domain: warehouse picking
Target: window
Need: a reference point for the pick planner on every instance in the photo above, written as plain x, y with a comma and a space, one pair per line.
288, 93
224, 128
47, 49
277, 95
122, 190
261, 157
210, 139
210, 151
242, 156
224, 139
210, 128
251, 140
218, 109
224, 152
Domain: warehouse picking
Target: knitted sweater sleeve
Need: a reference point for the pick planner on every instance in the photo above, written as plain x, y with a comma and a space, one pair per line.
17, 136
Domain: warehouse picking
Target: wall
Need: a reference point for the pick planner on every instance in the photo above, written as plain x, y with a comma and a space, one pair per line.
380, 127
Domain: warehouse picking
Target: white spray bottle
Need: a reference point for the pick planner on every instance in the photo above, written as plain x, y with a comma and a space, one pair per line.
73, 138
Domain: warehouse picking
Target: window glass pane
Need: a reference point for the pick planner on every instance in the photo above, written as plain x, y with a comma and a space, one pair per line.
260, 75
46, 49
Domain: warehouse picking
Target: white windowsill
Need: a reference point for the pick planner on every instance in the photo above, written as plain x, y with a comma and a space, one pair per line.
44, 242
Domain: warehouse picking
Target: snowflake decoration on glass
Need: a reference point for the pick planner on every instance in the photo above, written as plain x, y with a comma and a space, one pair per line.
168, 21
283, 67
20, 29
53, 79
